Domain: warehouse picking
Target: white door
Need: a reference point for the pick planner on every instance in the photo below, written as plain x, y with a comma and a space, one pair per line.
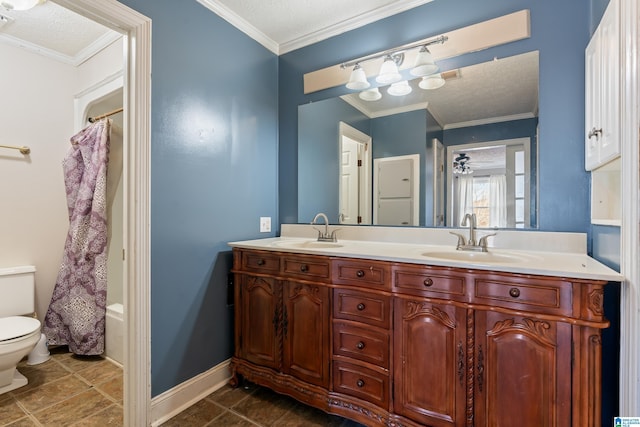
397, 187
354, 194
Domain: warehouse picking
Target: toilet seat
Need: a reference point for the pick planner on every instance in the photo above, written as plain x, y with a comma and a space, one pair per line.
17, 327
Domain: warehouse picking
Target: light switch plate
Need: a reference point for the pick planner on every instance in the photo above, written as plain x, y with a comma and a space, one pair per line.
265, 224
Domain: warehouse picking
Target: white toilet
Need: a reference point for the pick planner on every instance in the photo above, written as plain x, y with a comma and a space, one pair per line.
19, 333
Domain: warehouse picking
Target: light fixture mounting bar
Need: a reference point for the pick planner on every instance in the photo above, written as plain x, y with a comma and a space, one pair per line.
395, 51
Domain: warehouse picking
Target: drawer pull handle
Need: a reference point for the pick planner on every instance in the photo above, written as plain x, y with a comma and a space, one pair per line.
260, 262
514, 292
304, 268
360, 273
360, 307
428, 282
360, 345
360, 383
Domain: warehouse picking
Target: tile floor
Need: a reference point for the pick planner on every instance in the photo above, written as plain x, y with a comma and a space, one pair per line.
87, 391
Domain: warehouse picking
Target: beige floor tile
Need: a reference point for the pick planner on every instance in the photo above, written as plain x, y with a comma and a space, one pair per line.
9, 410
197, 415
23, 422
228, 396
77, 363
264, 406
113, 416
99, 371
113, 388
40, 374
74, 409
51, 393
305, 416
229, 419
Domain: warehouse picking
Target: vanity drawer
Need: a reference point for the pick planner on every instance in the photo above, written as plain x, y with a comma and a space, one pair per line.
361, 382
542, 295
430, 282
265, 262
363, 307
366, 344
365, 273
307, 267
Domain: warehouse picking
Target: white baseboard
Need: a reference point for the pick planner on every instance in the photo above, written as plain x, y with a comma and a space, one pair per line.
180, 397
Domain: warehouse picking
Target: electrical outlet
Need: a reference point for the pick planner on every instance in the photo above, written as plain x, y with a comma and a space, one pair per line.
265, 224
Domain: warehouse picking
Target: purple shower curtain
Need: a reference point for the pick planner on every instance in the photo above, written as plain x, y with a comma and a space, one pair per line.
76, 314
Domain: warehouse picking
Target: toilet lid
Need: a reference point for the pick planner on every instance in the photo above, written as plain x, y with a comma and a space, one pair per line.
17, 326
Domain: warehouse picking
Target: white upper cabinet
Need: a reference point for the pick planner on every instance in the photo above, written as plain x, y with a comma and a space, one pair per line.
602, 91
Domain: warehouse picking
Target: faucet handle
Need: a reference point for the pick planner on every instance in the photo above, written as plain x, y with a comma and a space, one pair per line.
483, 241
461, 239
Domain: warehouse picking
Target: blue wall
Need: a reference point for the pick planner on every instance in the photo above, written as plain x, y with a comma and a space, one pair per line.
213, 174
559, 30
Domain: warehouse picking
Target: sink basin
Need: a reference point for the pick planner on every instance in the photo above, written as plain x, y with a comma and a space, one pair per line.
475, 257
307, 244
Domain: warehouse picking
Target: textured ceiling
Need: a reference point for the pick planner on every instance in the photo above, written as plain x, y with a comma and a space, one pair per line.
55, 31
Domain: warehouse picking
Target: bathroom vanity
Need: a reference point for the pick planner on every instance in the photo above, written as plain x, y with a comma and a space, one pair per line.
402, 333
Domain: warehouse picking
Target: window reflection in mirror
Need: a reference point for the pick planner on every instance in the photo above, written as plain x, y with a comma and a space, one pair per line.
479, 104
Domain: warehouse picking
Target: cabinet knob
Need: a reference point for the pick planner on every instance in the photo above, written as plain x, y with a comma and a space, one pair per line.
260, 262
595, 132
360, 273
360, 345
428, 282
514, 292
360, 383
360, 307
304, 268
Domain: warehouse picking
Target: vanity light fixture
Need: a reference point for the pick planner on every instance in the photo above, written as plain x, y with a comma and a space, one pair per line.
389, 70
20, 4
393, 58
431, 82
399, 88
370, 94
424, 64
358, 79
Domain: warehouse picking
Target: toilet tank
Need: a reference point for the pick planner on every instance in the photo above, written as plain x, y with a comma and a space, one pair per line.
17, 291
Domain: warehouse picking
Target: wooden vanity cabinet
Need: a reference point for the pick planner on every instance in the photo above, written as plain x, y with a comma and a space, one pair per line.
399, 344
282, 321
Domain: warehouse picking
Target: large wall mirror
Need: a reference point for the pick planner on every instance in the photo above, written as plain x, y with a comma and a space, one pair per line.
426, 157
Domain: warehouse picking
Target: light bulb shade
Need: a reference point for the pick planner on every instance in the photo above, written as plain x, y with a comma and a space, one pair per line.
370, 94
358, 79
424, 64
388, 72
399, 89
434, 81
20, 4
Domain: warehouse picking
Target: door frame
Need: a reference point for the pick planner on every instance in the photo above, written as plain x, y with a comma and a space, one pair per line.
136, 178
365, 176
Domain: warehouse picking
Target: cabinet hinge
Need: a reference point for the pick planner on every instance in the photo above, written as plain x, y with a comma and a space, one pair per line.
359, 219
359, 163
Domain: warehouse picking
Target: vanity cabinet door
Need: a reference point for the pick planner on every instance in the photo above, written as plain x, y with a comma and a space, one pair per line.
430, 348
259, 320
305, 329
522, 371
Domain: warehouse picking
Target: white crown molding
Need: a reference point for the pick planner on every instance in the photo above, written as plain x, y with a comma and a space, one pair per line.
241, 24
489, 121
349, 24
76, 60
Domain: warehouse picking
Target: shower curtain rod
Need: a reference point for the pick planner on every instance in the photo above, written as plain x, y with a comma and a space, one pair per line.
24, 149
102, 116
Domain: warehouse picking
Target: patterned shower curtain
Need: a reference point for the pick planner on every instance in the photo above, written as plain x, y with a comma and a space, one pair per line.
76, 314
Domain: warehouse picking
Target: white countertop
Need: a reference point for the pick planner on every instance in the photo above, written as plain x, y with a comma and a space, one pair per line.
549, 254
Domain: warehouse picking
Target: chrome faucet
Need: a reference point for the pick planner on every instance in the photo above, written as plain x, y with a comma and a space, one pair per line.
470, 244
326, 236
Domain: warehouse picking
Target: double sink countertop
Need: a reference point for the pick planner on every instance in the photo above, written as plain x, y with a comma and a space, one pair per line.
524, 252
